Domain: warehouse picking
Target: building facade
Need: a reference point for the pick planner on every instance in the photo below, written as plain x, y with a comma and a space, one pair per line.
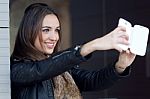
4, 50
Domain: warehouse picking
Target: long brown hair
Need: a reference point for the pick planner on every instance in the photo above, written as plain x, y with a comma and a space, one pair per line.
29, 29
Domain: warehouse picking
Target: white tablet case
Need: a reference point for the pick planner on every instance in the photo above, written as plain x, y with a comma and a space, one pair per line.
138, 37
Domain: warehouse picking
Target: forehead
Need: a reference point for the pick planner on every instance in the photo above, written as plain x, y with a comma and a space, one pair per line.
51, 20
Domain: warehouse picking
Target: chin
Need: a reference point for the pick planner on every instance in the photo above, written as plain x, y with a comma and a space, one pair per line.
50, 52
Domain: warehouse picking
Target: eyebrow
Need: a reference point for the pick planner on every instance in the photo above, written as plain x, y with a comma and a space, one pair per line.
46, 27
49, 27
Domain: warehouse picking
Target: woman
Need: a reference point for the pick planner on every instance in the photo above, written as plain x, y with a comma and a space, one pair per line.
40, 71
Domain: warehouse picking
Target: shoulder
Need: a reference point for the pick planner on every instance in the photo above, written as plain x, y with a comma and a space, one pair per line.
15, 60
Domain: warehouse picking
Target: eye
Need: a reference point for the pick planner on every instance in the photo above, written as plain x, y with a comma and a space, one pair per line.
45, 30
58, 30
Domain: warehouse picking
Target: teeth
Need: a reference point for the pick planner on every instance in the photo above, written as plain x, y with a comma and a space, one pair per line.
50, 44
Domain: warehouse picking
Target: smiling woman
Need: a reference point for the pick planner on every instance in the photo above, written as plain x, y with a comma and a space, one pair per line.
40, 71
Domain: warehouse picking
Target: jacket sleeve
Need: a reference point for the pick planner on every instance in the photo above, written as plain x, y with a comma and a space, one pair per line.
97, 80
28, 72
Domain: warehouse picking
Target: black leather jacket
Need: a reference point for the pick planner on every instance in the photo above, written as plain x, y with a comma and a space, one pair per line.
33, 79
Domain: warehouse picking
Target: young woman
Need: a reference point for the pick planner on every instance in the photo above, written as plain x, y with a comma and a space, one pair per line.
40, 71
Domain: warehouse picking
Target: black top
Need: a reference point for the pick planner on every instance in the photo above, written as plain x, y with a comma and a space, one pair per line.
33, 79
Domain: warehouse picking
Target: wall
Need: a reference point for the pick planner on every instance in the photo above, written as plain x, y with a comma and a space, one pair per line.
95, 18
4, 50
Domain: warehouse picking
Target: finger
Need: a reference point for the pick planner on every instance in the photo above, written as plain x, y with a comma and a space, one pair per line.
130, 53
120, 28
123, 34
127, 51
123, 41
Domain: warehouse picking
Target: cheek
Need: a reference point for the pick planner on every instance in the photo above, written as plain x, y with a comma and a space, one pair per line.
44, 37
57, 37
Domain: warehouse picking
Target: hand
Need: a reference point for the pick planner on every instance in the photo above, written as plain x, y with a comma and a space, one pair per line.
114, 38
126, 58
109, 41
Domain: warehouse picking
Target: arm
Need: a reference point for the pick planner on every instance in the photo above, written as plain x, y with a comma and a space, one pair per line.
97, 80
111, 41
27, 72
105, 77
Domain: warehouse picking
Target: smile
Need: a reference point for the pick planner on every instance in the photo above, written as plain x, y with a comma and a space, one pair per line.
50, 45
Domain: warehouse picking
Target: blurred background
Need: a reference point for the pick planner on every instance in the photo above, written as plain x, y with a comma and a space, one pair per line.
84, 20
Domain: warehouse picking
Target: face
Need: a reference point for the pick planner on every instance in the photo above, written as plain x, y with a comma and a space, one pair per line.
50, 34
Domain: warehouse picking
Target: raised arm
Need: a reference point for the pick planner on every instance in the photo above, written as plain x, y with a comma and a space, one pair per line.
111, 41
28, 72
